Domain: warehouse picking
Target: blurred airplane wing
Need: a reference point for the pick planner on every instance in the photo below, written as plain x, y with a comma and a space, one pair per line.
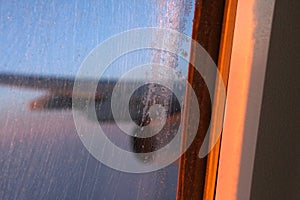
53, 84
59, 89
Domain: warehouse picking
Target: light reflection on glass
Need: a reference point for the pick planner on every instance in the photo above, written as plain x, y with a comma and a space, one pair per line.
41, 156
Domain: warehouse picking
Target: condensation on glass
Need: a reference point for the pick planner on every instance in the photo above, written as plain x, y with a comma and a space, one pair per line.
42, 47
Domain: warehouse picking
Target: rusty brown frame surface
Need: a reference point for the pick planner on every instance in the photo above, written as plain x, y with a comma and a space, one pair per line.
213, 29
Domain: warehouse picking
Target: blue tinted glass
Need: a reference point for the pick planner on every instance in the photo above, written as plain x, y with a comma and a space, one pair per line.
42, 46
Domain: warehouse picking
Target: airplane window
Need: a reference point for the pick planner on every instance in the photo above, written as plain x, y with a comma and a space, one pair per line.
43, 46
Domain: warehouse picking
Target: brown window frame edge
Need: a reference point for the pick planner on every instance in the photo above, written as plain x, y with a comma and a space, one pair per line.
213, 28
